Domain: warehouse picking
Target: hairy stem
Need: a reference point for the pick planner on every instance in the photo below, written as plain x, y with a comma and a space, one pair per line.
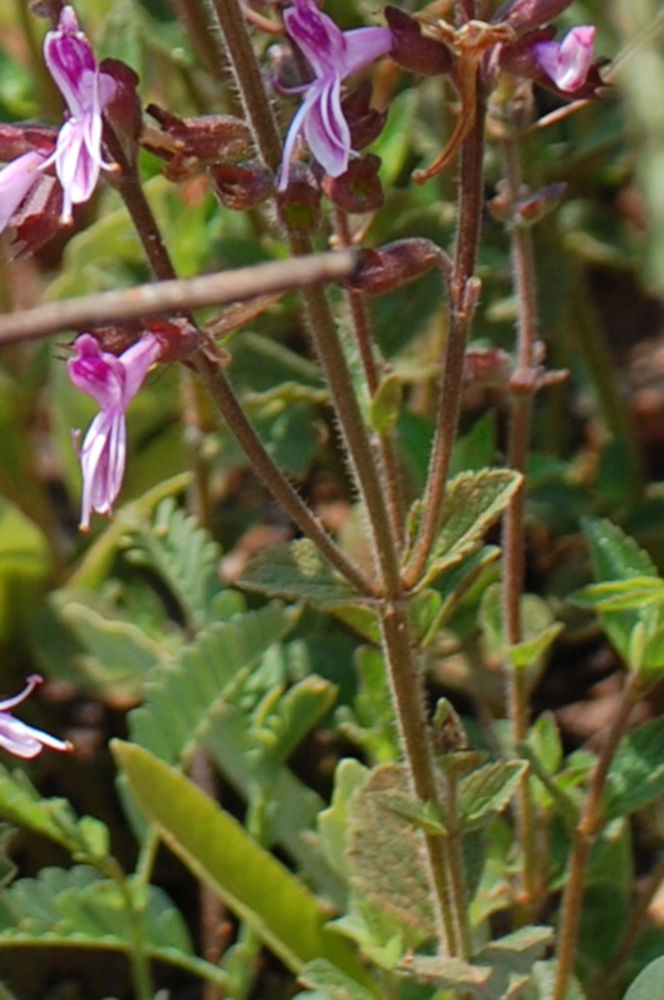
463, 290
365, 339
523, 268
584, 836
209, 367
402, 665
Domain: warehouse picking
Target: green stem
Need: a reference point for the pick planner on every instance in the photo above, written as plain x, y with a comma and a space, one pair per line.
463, 290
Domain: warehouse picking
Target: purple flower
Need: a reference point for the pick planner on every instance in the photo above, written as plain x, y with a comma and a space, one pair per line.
17, 179
19, 738
567, 63
333, 55
113, 382
72, 64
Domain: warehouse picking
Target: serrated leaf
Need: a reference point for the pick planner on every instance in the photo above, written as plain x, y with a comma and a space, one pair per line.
636, 775
349, 775
77, 908
297, 571
183, 695
21, 803
485, 792
523, 654
94, 567
473, 502
332, 982
649, 983
216, 848
500, 971
295, 713
617, 557
621, 595
185, 557
385, 852
118, 656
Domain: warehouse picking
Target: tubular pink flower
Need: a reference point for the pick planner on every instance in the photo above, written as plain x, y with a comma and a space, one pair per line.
567, 63
17, 179
17, 737
72, 64
113, 382
333, 55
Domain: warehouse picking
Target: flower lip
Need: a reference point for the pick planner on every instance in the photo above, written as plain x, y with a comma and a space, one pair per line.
19, 738
112, 381
333, 55
567, 63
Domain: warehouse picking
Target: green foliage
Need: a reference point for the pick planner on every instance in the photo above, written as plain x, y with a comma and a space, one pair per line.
183, 694
635, 627
184, 556
472, 503
636, 776
78, 908
297, 571
219, 852
20, 803
649, 983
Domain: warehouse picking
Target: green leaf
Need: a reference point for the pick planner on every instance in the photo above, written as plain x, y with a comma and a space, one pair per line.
385, 852
332, 982
216, 848
184, 556
181, 696
636, 775
617, 557
523, 654
297, 571
294, 714
24, 563
473, 502
118, 655
77, 908
95, 565
349, 775
485, 792
498, 972
21, 803
370, 723
649, 983
386, 405
621, 595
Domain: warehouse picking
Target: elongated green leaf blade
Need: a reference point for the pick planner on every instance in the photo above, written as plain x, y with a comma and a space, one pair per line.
636, 775
216, 848
649, 983
487, 791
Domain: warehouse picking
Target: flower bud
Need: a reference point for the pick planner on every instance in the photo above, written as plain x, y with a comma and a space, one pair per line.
15, 140
37, 219
525, 14
411, 49
393, 265
365, 123
359, 189
189, 143
242, 186
123, 111
299, 203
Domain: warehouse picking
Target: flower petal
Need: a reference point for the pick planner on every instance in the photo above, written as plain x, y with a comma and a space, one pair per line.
326, 129
16, 181
71, 62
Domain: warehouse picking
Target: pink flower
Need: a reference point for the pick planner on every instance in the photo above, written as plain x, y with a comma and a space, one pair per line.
333, 55
17, 180
72, 64
113, 382
567, 63
19, 738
